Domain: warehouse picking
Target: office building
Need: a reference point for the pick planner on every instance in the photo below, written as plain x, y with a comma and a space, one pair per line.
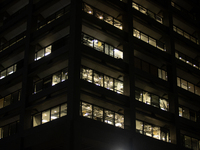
99, 75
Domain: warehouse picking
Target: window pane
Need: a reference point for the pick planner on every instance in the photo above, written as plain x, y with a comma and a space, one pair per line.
148, 130
139, 126
98, 114
136, 33
145, 66
88, 9
155, 101
183, 84
144, 37
143, 10
98, 79
98, 45
108, 19
87, 110
178, 82
40, 54
107, 49
119, 120
13, 128
179, 31
192, 116
146, 98
186, 113
38, 86
5, 131
119, 86
48, 50
1, 133
134, 5
55, 113
37, 119
10, 70
45, 116
108, 82
156, 132
187, 141
63, 110
191, 87
180, 112
194, 144
109, 117
7, 100
197, 90
98, 14
164, 105
163, 136
16, 96
118, 54
87, 74
138, 95
118, 24
87, 40
1, 102
3, 74
64, 74
56, 78
152, 41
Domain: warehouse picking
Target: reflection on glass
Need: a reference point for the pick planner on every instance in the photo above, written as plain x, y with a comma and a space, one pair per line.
54, 113
119, 120
109, 117
87, 110
45, 116
98, 114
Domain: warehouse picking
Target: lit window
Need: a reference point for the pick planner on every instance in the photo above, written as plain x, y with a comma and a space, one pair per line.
119, 120
109, 117
45, 116
146, 98
37, 120
139, 126
98, 114
87, 110
54, 113
148, 130
63, 110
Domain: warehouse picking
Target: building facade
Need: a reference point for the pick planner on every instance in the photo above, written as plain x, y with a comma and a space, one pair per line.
99, 75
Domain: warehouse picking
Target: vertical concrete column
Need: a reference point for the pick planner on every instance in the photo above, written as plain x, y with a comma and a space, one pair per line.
74, 75
25, 116
129, 79
172, 79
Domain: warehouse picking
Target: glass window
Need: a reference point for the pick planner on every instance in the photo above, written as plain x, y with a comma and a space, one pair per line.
152, 41
150, 14
87, 74
145, 66
186, 35
143, 10
186, 113
139, 126
183, 84
164, 105
109, 117
119, 120
138, 95
146, 98
64, 74
98, 114
156, 132
108, 82
118, 54
56, 78
159, 19
40, 54
194, 144
87, 110
193, 39
98, 79
187, 141
191, 87
10, 70
1, 133
3, 74
155, 101
16, 96
176, 55
13, 128
164, 136
98, 45
134, 5
88, 9
38, 86
37, 119
88, 40
5, 131
119, 86
48, 50
178, 82
45, 116
55, 113
7, 100
179, 31
192, 116
1, 102
137, 62
180, 112
47, 82
147, 130
136, 33
63, 110
144, 38
117, 24
108, 19
98, 14
197, 90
